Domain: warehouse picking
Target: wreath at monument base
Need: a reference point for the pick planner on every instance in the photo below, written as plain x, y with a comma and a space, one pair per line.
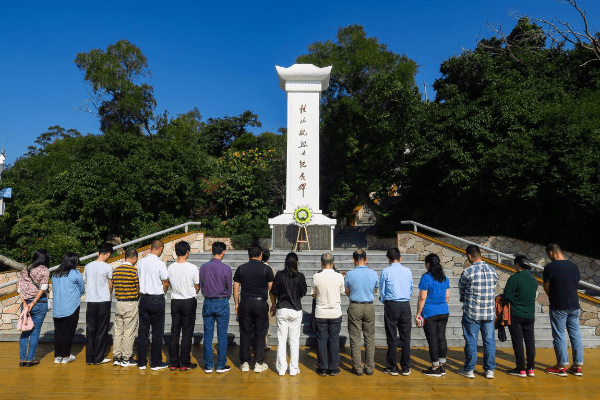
302, 215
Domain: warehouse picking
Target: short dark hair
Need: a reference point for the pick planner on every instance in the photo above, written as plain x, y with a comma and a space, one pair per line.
157, 244
393, 254
105, 248
553, 247
131, 253
254, 251
218, 248
359, 255
266, 254
181, 248
522, 262
473, 251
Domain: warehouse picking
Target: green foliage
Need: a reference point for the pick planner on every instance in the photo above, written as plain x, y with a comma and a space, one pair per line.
367, 117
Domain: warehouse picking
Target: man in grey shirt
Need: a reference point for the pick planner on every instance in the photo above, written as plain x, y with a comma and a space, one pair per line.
98, 279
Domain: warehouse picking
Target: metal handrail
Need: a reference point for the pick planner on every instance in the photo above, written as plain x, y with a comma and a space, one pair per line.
499, 254
185, 226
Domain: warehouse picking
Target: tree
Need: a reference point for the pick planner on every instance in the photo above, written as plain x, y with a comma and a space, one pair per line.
219, 133
121, 104
366, 117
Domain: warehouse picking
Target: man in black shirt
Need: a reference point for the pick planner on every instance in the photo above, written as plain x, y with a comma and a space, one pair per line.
561, 278
252, 309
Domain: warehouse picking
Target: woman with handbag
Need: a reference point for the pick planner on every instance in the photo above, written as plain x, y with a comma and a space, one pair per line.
433, 312
68, 287
32, 287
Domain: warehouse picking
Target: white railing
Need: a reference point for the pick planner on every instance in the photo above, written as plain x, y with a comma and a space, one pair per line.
184, 226
499, 255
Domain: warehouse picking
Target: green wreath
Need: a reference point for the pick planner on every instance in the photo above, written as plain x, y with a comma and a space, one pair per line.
302, 215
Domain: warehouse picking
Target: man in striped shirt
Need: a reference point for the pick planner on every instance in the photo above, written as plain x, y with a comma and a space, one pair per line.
125, 281
477, 289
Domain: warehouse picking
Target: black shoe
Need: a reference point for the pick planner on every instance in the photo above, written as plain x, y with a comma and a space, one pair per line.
391, 371
356, 372
367, 372
406, 371
432, 372
187, 367
334, 372
322, 372
442, 370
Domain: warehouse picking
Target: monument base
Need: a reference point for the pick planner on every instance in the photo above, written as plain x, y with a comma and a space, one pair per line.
284, 233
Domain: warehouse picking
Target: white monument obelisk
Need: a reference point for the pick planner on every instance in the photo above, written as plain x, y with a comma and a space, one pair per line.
303, 84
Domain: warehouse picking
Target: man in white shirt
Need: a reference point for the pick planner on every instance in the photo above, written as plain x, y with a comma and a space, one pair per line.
327, 287
154, 282
185, 283
98, 280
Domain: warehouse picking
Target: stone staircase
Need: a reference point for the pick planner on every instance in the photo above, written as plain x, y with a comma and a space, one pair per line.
309, 265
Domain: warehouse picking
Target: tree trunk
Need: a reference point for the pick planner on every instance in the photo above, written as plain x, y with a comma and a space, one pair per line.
11, 263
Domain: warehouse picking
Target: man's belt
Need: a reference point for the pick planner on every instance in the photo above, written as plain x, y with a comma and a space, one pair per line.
254, 298
361, 302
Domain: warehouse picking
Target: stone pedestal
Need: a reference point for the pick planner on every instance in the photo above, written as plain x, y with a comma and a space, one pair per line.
303, 84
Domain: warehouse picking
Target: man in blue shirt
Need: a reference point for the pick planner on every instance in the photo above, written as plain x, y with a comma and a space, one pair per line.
361, 285
396, 287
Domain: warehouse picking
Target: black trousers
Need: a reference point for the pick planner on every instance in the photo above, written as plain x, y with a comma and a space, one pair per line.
435, 332
397, 319
152, 313
64, 330
254, 323
183, 318
522, 329
97, 321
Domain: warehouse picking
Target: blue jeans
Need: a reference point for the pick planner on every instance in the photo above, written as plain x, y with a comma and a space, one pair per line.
38, 313
471, 330
328, 343
215, 310
559, 320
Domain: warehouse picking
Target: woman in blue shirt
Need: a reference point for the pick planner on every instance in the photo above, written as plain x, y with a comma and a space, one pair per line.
433, 308
68, 287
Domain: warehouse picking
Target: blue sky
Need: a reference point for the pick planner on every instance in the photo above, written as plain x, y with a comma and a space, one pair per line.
220, 56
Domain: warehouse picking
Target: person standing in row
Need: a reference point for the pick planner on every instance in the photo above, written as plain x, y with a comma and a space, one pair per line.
361, 285
327, 287
477, 289
433, 308
98, 279
185, 283
561, 279
255, 280
266, 256
33, 290
396, 287
154, 282
286, 293
520, 291
215, 282
68, 287
126, 285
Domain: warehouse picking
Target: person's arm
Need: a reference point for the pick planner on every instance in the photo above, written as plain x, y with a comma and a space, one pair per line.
347, 291
546, 286
462, 283
110, 286
382, 292
273, 304
165, 284
421, 303
447, 296
197, 287
35, 300
236, 295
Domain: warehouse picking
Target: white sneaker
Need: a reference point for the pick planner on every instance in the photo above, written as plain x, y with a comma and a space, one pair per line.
106, 360
245, 367
294, 372
489, 374
128, 363
142, 367
57, 360
67, 360
116, 362
260, 367
466, 374
281, 373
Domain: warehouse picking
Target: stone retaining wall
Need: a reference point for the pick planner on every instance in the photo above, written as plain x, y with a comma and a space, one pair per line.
456, 262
